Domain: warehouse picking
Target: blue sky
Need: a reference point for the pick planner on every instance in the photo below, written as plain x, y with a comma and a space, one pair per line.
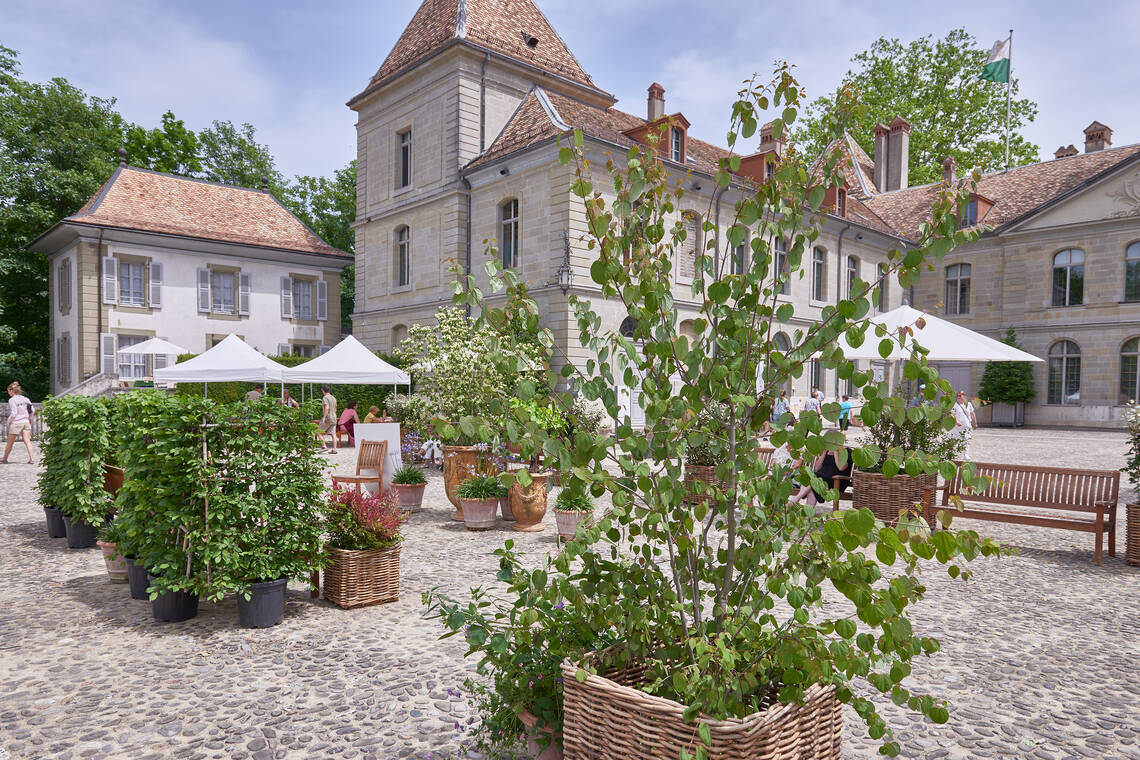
288, 67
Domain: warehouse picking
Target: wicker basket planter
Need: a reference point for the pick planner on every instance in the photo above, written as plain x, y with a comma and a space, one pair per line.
607, 718
704, 473
360, 578
886, 497
1132, 548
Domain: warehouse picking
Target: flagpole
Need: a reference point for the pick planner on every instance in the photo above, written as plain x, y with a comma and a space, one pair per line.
1008, 87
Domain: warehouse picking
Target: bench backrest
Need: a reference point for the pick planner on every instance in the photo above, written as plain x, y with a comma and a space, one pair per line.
766, 454
1052, 487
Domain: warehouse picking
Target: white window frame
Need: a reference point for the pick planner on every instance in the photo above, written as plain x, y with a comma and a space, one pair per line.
135, 273
957, 279
403, 257
303, 301
819, 274
404, 158
852, 274
134, 364
220, 307
884, 289
676, 145
509, 228
1068, 265
780, 266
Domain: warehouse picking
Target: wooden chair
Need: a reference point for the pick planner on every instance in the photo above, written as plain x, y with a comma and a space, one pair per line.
370, 455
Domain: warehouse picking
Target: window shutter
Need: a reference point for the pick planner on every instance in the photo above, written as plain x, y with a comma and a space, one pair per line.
284, 349
107, 350
67, 360
286, 298
59, 359
322, 350
203, 291
322, 300
155, 285
67, 282
110, 280
244, 286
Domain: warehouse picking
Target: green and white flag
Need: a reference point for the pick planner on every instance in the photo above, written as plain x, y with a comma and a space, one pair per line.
997, 67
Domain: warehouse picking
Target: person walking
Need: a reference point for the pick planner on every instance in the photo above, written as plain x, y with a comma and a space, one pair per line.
779, 409
255, 394
20, 416
328, 416
965, 421
814, 402
845, 413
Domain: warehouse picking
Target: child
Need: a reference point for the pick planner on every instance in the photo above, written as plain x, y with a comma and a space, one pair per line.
371, 416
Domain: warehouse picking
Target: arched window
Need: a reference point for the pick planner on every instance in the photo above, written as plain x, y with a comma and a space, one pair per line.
1132, 272
1069, 278
628, 327
399, 335
780, 265
1065, 373
1129, 355
403, 262
852, 274
783, 345
958, 289
884, 288
510, 237
818, 274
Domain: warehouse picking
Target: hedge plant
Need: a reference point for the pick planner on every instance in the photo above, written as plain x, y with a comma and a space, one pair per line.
1007, 382
75, 442
218, 496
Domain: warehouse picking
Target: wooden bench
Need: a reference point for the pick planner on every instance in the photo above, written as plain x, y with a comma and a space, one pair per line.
1091, 492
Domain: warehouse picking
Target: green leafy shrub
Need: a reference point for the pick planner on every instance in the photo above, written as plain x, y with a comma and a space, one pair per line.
360, 521
76, 442
409, 475
1007, 382
904, 428
707, 427
413, 412
479, 487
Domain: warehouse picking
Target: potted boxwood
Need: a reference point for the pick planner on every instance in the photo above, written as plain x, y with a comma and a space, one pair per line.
409, 482
479, 500
571, 508
363, 544
1007, 387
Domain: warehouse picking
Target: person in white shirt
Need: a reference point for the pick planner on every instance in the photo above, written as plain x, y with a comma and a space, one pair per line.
814, 402
965, 420
19, 422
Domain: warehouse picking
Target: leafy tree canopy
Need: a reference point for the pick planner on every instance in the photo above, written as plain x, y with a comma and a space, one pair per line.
934, 85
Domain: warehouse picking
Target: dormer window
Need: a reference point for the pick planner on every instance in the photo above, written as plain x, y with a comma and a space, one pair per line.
841, 203
769, 169
677, 142
969, 214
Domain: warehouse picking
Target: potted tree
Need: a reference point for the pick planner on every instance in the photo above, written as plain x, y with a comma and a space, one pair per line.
1007, 387
409, 482
479, 501
735, 578
363, 540
76, 440
572, 508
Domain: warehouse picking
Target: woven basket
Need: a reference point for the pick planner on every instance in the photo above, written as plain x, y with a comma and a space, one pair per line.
361, 578
606, 718
703, 473
886, 497
1132, 547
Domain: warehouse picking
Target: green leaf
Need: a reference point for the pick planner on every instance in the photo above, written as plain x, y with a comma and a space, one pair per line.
705, 734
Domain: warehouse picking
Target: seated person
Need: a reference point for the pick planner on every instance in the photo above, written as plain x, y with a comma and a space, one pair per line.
347, 422
825, 467
371, 416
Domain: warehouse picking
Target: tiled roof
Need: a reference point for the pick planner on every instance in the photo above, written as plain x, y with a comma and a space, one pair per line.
1014, 193
138, 199
858, 168
503, 26
531, 124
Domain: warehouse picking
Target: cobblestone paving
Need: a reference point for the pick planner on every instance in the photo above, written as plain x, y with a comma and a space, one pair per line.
1040, 650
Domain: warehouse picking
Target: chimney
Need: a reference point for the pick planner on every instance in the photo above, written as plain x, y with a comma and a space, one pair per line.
880, 172
948, 165
656, 102
1065, 152
768, 141
1097, 137
898, 154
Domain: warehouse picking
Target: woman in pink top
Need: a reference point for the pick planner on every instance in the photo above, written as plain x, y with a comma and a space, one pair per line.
19, 422
348, 420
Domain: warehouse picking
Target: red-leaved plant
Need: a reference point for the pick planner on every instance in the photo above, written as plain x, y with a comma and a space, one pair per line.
358, 521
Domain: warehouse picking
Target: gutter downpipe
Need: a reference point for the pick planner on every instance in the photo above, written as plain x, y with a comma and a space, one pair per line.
467, 254
839, 269
99, 305
483, 104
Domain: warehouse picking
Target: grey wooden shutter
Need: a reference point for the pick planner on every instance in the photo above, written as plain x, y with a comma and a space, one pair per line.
155, 285
244, 287
203, 291
322, 300
107, 347
110, 280
286, 298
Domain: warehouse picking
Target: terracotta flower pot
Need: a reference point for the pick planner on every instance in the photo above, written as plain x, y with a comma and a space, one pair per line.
112, 479
116, 566
409, 497
459, 463
552, 751
528, 504
479, 514
568, 522
505, 508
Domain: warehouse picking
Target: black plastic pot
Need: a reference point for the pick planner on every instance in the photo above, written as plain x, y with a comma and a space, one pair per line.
137, 577
80, 535
173, 606
55, 525
266, 605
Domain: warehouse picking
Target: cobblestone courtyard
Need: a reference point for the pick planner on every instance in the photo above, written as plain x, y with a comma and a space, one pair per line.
1040, 650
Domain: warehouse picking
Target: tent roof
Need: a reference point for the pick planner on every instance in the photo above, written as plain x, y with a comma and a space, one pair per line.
350, 363
232, 359
154, 346
945, 341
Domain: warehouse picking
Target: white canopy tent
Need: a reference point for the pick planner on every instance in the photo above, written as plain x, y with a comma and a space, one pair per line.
231, 360
945, 341
347, 363
154, 346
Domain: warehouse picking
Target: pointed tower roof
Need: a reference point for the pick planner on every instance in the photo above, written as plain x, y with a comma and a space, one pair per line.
515, 29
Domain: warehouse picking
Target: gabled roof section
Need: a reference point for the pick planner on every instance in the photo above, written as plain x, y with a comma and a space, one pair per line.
1016, 194
148, 201
857, 167
516, 29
